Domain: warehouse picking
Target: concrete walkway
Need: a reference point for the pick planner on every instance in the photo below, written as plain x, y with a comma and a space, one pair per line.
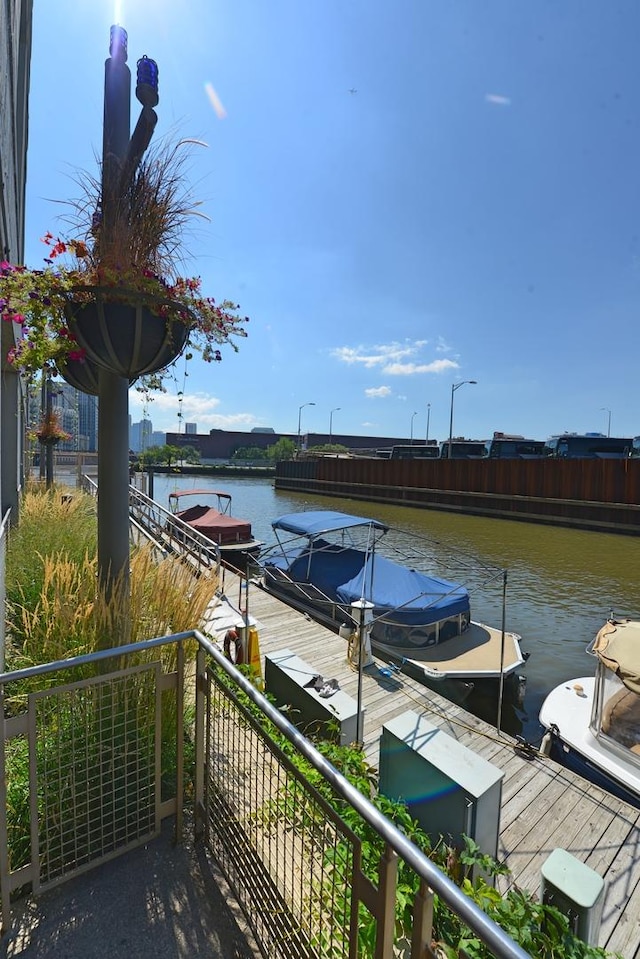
157, 902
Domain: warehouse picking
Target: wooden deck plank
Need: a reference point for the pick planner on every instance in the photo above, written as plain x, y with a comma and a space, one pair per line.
544, 806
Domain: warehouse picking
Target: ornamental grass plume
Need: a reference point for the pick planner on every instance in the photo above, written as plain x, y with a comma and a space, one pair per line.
127, 245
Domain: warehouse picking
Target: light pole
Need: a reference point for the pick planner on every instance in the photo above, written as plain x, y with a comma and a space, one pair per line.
454, 387
300, 409
605, 410
334, 410
415, 413
428, 417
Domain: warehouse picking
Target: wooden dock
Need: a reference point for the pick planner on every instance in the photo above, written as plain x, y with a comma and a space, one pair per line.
544, 806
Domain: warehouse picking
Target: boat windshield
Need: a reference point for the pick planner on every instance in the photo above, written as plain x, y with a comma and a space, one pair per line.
616, 703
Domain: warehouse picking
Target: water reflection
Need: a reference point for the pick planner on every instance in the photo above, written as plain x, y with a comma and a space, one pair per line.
561, 583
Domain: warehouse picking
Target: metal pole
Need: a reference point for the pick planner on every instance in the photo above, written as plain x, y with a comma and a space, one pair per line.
300, 409
335, 410
504, 620
453, 389
113, 390
360, 725
413, 415
428, 416
48, 448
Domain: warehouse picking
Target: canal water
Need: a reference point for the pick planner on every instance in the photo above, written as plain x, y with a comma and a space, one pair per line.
561, 583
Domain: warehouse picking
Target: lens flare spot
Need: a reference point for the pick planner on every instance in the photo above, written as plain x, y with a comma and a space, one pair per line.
215, 101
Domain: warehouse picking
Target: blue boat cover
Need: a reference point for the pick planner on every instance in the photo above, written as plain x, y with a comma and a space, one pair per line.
315, 522
348, 575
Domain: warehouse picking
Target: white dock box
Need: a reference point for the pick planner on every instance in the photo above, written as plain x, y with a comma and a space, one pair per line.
576, 890
287, 678
449, 789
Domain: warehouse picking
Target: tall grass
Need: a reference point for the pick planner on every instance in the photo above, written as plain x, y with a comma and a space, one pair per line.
56, 609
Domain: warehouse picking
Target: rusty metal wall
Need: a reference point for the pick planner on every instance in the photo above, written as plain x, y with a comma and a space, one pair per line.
590, 494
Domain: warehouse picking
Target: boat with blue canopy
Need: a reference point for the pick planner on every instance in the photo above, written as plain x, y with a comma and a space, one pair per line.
329, 564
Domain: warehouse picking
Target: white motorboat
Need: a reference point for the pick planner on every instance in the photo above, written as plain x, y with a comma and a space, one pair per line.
592, 723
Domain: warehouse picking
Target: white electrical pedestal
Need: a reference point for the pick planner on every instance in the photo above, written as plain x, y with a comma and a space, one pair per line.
576, 890
450, 790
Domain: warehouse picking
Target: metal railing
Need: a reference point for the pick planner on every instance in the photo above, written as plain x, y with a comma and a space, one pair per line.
93, 745
167, 532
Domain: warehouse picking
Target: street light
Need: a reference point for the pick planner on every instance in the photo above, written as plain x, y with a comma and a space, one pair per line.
605, 410
415, 413
334, 410
454, 387
300, 409
428, 417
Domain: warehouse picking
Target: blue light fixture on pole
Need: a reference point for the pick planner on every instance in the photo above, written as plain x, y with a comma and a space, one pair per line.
454, 387
334, 410
300, 409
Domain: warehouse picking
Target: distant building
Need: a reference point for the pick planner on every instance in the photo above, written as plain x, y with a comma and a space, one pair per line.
141, 436
220, 445
191, 428
78, 416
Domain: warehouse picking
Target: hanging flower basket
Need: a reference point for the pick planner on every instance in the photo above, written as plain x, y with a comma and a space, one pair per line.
115, 298
49, 431
81, 374
128, 336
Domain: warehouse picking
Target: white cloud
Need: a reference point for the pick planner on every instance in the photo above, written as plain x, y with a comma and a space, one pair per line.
373, 356
410, 369
163, 408
498, 99
376, 393
442, 346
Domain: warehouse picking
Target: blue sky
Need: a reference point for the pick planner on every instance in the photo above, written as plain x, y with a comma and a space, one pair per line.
403, 194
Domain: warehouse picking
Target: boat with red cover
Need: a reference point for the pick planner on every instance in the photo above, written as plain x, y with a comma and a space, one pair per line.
209, 512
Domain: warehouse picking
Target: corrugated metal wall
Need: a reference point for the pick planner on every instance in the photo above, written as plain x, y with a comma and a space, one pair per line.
592, 494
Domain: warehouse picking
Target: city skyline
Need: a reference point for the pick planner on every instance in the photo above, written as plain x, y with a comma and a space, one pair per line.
401, 204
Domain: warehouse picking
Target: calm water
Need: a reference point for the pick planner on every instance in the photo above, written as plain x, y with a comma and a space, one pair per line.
561, 584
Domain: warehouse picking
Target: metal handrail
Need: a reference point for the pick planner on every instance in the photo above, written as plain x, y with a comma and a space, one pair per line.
167, 531
172, 531
4, 526
502, 946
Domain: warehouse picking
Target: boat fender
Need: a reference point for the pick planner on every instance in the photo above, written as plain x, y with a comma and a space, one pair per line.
547, 740
232, 647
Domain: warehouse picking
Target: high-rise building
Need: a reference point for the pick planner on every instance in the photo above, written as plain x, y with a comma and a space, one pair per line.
191, 428
78, 416
141, 436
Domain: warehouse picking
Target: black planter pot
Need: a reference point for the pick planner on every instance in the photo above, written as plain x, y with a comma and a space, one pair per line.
126, 338
81, 374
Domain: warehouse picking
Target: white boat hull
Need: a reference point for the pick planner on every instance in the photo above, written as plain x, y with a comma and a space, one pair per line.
566, 713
